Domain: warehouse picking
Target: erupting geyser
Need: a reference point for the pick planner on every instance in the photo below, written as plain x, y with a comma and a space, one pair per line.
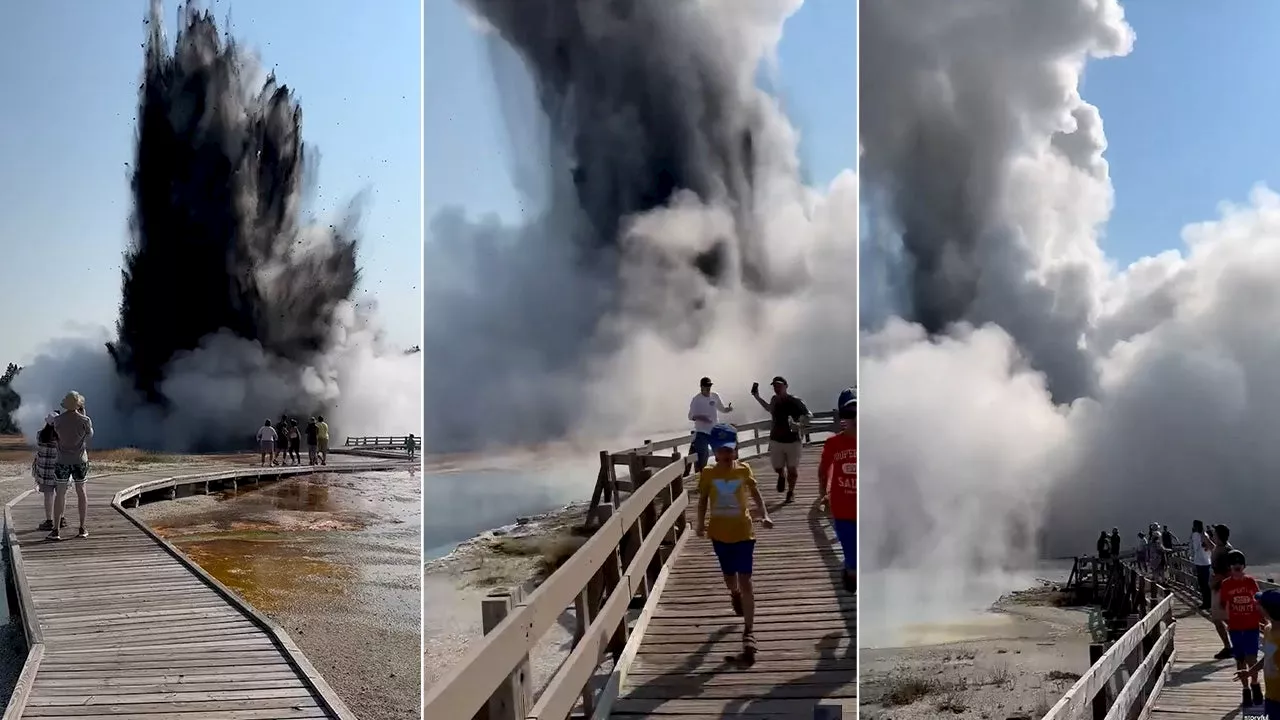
217, 189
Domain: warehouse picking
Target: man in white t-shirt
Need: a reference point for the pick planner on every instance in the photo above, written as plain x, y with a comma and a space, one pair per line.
267, 443
704, 411
1199, 548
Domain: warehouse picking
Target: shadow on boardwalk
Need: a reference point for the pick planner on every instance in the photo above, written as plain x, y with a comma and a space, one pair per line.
805, 625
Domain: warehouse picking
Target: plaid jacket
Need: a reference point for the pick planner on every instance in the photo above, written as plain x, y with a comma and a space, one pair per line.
42, 466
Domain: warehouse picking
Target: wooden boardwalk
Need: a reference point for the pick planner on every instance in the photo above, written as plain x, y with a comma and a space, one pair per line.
1199, 687
805, 623
129, 629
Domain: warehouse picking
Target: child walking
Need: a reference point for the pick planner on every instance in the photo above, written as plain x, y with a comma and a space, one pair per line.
1269, 663
43, 470
723, 488
1238, 595
838, 485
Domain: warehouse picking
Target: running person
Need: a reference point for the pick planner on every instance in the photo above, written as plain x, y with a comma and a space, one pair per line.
723, 488
790, 415
838, 486
704, 410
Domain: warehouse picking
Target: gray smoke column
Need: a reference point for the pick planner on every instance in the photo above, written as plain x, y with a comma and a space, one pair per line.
217, 191
981, 450
664, 214
234, 307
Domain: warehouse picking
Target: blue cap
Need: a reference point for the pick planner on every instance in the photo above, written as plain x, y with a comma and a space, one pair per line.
847, 396
1270, 601
724, 436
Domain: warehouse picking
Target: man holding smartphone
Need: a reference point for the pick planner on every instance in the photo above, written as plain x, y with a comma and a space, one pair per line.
790, 416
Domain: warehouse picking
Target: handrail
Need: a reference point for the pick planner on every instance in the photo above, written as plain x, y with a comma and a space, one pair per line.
622, 560
1144, 650
394, 441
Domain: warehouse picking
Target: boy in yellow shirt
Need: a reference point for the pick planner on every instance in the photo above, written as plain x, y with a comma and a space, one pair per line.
1269, 663
723, 488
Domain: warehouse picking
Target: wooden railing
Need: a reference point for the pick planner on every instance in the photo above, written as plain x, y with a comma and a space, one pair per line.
1125, 678
386, 441
753, 439
622, 562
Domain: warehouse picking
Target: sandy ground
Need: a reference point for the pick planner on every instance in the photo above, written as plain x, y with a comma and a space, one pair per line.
1013, 662
520, 554
334, 559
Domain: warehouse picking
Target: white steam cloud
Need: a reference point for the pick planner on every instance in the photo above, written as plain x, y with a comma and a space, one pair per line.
1057, 395
228, 386
527, 341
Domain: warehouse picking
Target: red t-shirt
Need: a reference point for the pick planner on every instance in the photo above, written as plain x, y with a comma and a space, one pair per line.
838, 469
1242, 609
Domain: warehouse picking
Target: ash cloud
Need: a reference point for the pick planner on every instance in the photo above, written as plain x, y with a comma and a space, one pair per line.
234, 307
1020, 392
667, 230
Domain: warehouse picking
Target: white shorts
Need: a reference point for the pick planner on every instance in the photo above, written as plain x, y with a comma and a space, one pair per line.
784, 455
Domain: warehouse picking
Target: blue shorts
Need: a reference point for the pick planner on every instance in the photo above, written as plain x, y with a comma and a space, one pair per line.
1244, 644
847, 534
735, 558
701, 449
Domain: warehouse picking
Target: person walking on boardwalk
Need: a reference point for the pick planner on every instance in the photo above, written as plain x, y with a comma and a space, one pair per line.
723, 490
704, 412
74, 430
790, 416
410, 445
1220, 567
282, 440
43, 469
1238, 597
1199, 549
267, 443
295, 442
312, 433
1142, 552
1115, 544
838, 486
1104, 546
322, 439
1269, 663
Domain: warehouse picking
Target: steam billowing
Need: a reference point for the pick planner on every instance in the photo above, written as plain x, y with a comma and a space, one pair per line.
1015, 385
668, 234
233, 308
217, 190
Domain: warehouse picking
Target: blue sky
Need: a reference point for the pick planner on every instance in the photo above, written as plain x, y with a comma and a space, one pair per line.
70, 71
466, 142
1192, 117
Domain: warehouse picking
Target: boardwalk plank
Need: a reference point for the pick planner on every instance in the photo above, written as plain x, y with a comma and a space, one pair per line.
805, 623
131, 631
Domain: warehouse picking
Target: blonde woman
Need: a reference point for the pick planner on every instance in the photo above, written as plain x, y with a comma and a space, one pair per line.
43, 469
74, 430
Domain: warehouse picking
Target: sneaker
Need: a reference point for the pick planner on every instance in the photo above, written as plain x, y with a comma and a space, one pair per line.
789, 498
53, 536
1256, 691
782, 483
82, 533
1223, 654
736, 600
1247, 696
47, 525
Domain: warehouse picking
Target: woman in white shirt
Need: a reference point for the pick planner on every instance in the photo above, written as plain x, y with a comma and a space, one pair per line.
267, 443
1199, 548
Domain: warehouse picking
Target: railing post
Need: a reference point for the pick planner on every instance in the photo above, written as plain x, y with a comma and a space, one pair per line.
512, 699
611, 573
1100, 701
